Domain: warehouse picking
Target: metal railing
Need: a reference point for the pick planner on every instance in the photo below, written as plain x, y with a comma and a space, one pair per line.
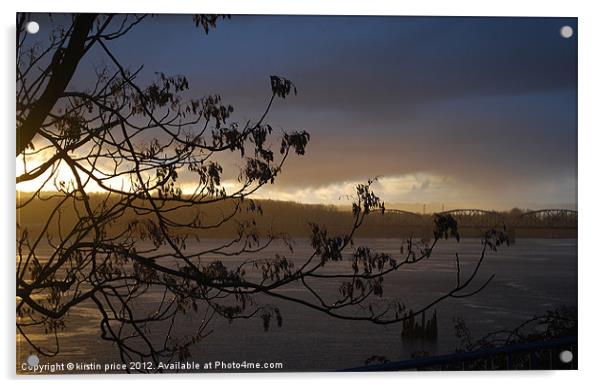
540, 355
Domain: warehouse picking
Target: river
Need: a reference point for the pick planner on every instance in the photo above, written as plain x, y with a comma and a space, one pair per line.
531, 277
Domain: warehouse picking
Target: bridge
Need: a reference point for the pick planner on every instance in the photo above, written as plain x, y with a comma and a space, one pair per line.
477, 218
553, 221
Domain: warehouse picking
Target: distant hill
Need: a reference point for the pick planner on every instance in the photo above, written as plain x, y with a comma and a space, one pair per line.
281, 217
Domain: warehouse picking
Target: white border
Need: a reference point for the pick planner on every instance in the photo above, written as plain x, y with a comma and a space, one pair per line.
590, 126
331, 7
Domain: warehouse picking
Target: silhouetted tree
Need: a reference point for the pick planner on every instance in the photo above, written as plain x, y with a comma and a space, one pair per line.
132, 142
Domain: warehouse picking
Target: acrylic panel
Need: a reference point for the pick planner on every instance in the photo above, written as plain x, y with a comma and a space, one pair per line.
271, 193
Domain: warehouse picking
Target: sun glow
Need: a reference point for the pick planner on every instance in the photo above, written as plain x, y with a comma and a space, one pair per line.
409, 188
60, 175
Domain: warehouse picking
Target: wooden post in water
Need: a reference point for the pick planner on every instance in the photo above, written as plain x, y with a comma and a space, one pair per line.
512, 234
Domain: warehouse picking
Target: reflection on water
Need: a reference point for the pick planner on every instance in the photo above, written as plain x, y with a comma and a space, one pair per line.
531, 276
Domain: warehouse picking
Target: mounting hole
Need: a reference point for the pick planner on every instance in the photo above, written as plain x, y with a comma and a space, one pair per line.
32, 27
33, 360
566, 356
566, 32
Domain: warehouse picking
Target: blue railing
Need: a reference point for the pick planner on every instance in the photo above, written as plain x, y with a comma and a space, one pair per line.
530, 355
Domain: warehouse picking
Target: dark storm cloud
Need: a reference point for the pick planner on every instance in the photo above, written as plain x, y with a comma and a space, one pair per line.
377, 63
488, 102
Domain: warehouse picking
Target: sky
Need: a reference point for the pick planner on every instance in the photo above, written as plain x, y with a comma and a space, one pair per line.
448, 112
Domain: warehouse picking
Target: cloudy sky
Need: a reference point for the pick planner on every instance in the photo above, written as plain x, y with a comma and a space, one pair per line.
478, 112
